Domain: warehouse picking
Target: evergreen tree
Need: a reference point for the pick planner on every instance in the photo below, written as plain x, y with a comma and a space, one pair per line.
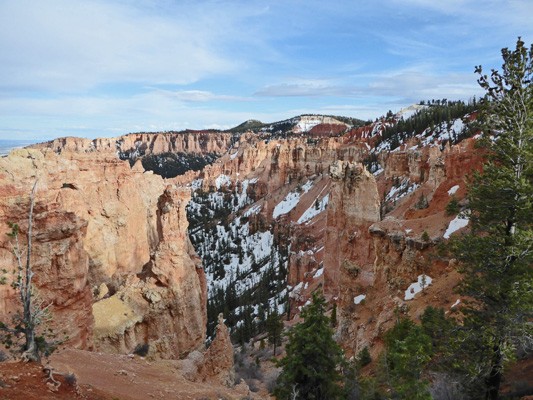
310, 367
333, 318
364, 358
496, 256
453, 206
274, 327
407, 359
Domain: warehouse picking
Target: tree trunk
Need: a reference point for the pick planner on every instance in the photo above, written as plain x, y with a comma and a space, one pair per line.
493, 381
31, 353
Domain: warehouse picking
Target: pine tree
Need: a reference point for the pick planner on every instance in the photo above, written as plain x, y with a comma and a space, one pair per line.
310, 367
453, 206
333, 318
274, 327
496, 256
364, 358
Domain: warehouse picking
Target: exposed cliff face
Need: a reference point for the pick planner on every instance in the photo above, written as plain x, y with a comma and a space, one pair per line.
353, 206
59, 259
139, 144
106, 228
218, 360
413, 203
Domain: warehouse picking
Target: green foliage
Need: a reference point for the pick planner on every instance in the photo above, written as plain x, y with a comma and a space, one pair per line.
496, 256
437, 327
409, 351
422, 202
425, 236
310, 367
333, 319
426, 119
364, 358
170, 165
453, 206
406, 360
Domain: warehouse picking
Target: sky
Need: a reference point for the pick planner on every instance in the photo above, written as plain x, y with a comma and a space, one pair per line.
105, 68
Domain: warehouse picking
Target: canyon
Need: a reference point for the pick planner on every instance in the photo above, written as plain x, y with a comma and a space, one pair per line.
131, 260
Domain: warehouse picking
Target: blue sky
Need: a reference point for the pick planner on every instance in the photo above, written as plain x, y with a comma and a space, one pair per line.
103, 68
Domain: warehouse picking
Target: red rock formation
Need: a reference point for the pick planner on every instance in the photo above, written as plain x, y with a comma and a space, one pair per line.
104, 227
218, 361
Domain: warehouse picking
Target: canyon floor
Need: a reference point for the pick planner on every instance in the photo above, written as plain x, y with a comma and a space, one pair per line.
108, 377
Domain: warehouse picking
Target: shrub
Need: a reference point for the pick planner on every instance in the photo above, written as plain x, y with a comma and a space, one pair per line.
453, 207
364, 357
141, 349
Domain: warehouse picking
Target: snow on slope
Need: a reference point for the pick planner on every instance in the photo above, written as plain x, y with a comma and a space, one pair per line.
291, 200
408, 112
313, 211
423, 282
455, 224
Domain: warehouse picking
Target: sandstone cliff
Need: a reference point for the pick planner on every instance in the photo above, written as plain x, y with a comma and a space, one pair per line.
106, 234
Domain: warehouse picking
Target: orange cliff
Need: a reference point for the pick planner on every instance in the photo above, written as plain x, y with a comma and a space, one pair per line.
134, 144
110, 251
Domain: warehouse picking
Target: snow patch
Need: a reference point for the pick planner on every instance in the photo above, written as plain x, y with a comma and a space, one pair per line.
318, 273
457, 302
255, 209
423, 282
222, 180
290, 201
359, 299
453, 190
455, 224
313, 211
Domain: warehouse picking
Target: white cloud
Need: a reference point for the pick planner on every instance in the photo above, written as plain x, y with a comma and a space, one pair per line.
410, 85
200, 96
94, 116
108, 67
69, 45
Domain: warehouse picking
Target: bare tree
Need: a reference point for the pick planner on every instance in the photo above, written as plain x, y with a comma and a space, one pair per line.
34, 311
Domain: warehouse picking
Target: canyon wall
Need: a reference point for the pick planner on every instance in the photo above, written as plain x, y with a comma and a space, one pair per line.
106, 234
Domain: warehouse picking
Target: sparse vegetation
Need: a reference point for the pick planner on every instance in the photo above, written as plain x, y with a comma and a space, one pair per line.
364, 358
141, 349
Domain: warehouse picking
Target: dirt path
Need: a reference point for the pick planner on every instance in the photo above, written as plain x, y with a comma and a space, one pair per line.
132, 378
